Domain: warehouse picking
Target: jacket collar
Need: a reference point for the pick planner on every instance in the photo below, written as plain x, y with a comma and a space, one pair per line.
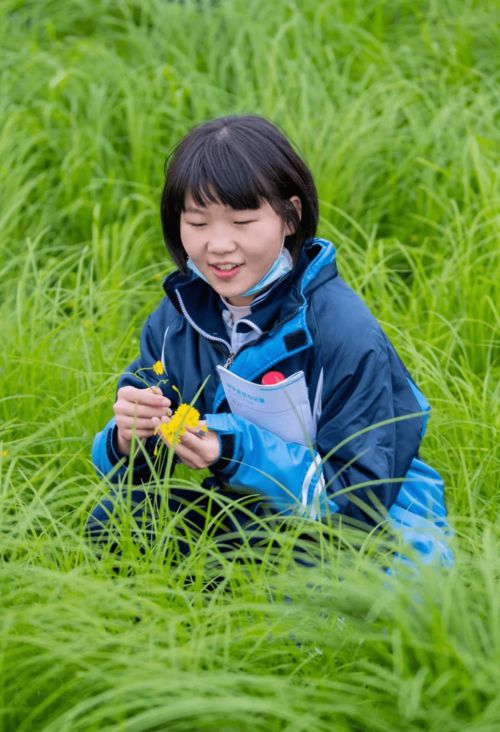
198, 302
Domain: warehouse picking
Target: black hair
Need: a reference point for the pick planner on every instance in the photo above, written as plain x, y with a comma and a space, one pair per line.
238, 161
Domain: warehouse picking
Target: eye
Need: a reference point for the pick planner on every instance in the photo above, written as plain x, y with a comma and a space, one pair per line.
196, 225
242, 223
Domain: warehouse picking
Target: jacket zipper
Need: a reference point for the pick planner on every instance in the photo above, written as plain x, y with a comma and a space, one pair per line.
209, 337
276, 326
215, 339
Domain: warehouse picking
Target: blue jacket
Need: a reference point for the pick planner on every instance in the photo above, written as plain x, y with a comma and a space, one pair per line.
370, 415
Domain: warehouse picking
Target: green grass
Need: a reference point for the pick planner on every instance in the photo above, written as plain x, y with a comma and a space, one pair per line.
395, 106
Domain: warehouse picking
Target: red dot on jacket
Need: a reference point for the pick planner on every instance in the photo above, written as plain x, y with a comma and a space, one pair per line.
272, 377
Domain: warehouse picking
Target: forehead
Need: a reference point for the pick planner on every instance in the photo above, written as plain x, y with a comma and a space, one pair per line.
215, 206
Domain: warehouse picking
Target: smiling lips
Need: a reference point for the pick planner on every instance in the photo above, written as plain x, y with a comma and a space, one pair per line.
225, 270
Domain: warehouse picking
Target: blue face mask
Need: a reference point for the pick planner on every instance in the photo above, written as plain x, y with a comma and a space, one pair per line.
192, 266
282, 265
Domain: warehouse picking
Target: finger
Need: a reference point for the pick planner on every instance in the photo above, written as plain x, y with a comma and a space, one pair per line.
203, 450
141, 434
158, 404
129, 409
191, 441
156, 421
146, 397
189, 458
196, 431
197, 450
127, 423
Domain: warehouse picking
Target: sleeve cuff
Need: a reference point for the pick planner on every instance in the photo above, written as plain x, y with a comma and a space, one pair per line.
112, 451
224, 465
220, 424
115, 456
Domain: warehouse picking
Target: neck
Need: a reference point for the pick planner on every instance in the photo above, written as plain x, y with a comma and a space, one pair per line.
240, 301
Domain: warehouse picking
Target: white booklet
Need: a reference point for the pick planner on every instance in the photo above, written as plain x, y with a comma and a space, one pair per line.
282, 408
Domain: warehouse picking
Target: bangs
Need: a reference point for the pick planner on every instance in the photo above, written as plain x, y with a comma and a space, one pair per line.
219, 173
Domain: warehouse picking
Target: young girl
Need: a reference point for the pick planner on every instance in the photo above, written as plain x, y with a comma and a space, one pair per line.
257, 292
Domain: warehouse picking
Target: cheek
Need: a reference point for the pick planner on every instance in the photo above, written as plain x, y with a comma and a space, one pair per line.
187, 239
270, 246
268, 239
183, 232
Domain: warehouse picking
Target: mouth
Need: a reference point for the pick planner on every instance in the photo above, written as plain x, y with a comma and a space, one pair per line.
225, 270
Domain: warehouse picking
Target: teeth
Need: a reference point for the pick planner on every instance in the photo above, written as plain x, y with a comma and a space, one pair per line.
226, 266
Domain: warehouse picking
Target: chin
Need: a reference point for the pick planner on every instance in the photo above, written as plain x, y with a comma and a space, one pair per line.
228, 293
228, 289
239, 299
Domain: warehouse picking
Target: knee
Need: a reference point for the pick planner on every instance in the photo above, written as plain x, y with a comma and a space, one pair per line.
113, 512
100, 520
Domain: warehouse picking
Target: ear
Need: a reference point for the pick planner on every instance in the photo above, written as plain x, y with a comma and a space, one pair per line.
297, 204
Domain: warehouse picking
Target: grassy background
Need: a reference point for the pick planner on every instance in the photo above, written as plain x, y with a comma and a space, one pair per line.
395, 107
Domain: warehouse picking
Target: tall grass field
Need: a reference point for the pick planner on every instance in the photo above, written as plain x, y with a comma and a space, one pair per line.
395, 106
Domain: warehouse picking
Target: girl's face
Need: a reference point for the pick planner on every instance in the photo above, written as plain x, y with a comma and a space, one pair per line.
233, 249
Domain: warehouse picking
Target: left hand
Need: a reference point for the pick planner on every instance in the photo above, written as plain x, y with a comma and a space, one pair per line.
195, 450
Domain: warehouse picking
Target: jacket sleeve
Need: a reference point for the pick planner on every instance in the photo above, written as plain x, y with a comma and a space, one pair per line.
363, 441
109, 461
106, 456
289, 475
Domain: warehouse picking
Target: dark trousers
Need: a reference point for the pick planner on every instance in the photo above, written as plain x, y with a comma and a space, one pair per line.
231, 520
189, 511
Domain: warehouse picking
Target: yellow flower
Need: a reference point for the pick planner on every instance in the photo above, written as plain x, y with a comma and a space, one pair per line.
4, 453
184, 416
166, 431
187, 416
158, 368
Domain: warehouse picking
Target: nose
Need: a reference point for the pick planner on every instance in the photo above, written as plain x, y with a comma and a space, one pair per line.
220, 241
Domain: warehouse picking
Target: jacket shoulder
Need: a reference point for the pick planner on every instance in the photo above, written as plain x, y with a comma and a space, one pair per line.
342, 322
163, 316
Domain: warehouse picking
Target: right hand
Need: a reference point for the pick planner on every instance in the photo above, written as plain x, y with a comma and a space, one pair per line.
134, 411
